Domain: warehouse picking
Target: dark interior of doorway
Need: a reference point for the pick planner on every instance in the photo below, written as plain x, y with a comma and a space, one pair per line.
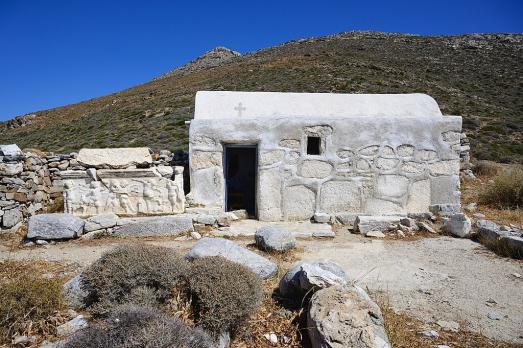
240, 172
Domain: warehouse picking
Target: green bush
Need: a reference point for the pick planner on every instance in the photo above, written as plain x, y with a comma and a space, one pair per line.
131, 326
140, 274
28, 301
223, 293
507, 189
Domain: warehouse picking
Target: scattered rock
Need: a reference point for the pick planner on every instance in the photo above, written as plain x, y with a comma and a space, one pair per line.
368, 223
175, 225
347, 219
76, 292
71, 326
306, 275
471, 207
322, 218
235, 253
23, 340
448, 325
375, 234
94, 234
204, 219
458, 225
55, 226
431, 334
427, 226
345, 316
493, 316
241, 214
271, 337
270, 238
196, 235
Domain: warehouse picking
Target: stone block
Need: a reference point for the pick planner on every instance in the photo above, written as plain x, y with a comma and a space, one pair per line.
54, 226
271, 238
11, 169
419, 198
394, 186
270, 197
458, 225
450, 167
299, 202
445, 190
114, 158
290, 143
271, 157
315, 169
322, 218
11, 217
368, 223
175, 225
341, 196
206, 159
11, 150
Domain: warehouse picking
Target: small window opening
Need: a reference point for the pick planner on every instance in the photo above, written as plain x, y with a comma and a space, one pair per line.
313, 146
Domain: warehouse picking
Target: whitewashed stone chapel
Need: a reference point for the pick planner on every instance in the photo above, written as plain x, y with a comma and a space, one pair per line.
289, 156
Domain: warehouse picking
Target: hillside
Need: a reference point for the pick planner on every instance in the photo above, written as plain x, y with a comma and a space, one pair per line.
479, 77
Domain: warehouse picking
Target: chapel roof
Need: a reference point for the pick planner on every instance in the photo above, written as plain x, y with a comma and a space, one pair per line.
253, 105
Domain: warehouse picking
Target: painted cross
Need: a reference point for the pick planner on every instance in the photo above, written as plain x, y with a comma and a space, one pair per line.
240, 108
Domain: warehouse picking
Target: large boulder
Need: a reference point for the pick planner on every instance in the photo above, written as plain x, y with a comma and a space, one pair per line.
270, 238
76, 292
55, 226
235, 253
458, 225
313, 274
345, 316
174, 225
115, 158
101, 221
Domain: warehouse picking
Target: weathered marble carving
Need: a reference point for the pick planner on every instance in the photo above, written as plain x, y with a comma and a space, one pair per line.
123, 192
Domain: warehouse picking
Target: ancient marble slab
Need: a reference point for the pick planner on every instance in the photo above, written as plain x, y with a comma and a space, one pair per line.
129, 192
115, 158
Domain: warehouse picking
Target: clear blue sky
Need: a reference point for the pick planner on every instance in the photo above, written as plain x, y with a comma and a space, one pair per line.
56, 52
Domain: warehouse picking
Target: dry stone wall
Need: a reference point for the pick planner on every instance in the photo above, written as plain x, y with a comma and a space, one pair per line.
32, 182
375, 166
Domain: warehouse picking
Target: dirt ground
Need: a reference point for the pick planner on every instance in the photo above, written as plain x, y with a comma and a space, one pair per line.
430, 279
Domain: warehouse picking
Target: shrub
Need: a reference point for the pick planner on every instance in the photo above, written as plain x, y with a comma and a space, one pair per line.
223, 293
507, 189
132, 326
486, 168
28, 302
139, 274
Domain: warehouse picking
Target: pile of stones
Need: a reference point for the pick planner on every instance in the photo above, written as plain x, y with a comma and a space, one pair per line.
25, 183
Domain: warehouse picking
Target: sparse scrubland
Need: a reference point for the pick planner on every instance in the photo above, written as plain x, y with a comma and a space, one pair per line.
476, 76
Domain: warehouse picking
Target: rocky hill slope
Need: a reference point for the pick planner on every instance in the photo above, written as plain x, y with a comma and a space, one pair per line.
477, 76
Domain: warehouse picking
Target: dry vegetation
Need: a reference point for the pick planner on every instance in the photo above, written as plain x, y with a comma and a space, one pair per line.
407, 332
31, 302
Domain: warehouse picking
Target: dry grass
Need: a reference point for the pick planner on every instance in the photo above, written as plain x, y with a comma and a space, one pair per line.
31, 300
407, 332
486, 168
471, 191
506, 189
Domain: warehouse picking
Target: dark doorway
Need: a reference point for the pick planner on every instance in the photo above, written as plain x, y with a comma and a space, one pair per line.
240, 177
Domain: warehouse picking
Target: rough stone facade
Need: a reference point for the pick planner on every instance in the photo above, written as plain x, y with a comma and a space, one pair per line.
372, 165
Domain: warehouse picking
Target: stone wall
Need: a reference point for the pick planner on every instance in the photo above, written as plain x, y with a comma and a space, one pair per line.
33, 182
379, 165
25, 183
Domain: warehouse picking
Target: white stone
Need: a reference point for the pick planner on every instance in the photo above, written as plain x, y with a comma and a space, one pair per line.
175, 225
392, 186
71, 326
270, 238
11, 150
367, 223
11, 169
375, 234
114, 157
299, 203
271, 157
269, 206
54, 226
418, 200
205, 159
322, 218
450, 167
341, 196
226, 105
315, 169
